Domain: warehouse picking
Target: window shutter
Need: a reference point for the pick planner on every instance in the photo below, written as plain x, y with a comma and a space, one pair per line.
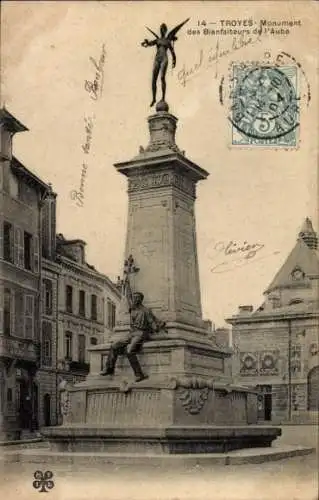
18, 247
108, 317
98, 309
103, 311
1, 238
29, 316
35, 241
1, 308
12, 317
19, 313
17, 236
43, 297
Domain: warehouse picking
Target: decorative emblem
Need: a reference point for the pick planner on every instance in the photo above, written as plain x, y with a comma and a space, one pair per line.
43, 481
248, 363
313, 349
297, 274
268, 363
193, 394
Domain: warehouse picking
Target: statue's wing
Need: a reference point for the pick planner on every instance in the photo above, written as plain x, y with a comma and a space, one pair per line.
156, 36
172, 33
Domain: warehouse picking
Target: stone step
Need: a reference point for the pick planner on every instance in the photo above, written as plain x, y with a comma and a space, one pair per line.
84, 460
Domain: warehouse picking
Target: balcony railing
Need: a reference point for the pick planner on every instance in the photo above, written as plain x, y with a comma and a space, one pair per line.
18, 349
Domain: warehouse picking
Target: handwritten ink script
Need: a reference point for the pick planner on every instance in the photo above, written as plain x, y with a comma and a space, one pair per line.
95, 91
78, 195
210, 58
95, 87
232, 254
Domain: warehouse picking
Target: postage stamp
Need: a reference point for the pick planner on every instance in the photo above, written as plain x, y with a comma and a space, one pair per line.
264, 105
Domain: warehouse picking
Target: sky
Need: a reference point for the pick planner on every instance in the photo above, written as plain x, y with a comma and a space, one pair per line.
253, 195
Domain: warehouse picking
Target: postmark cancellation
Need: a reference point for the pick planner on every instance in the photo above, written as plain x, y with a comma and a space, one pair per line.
264, 105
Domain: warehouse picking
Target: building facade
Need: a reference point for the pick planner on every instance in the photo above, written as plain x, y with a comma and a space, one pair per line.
87, 302
53, 304
276, 347
21, 194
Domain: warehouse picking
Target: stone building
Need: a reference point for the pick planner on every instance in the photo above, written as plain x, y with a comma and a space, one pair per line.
53, 304
47, 375
86, 309
21, 195
276, 347
78, 311
79, 305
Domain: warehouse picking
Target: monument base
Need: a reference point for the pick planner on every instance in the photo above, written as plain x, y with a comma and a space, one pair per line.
159, 440
187, 405
161, 415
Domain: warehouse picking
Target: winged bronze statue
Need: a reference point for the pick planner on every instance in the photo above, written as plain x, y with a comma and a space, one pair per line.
163, 43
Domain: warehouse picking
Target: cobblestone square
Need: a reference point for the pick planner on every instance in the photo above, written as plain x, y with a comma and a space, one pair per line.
294, 478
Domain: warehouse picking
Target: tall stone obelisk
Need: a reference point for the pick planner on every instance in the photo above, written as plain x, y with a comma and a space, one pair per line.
161, 232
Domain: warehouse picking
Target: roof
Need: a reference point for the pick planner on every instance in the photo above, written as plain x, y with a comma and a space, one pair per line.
66, 261
23, 172
64, 241
302, 257
11, 122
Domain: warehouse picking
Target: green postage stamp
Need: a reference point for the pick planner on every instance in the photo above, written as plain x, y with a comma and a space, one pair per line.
264, 105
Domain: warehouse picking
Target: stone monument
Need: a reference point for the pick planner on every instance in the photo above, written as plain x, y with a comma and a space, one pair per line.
185, 402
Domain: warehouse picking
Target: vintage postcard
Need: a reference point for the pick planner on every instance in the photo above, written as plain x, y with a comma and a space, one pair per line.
159, 279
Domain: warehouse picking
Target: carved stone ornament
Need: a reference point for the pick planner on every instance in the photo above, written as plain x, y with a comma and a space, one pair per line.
193, 394
125, 386
65, 404
150, 181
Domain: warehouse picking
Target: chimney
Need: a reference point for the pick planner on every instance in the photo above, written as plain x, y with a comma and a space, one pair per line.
245, 309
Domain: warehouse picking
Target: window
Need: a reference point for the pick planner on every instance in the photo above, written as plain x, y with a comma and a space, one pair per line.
7, 311
28, 316
69, 298
275, 302
93, 341
81, 348
94, 307
46, 343
82, 303
47, 296
27, 250
7, 242
111, 310
9, 395
295, 301
68, 345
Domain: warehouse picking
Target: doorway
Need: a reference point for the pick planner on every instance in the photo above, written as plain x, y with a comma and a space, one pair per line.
313, 389
268, 406
35, 406
25, 406
47, 410
264, 402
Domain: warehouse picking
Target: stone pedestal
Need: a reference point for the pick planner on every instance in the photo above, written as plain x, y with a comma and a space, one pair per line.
189, 399
161, 232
